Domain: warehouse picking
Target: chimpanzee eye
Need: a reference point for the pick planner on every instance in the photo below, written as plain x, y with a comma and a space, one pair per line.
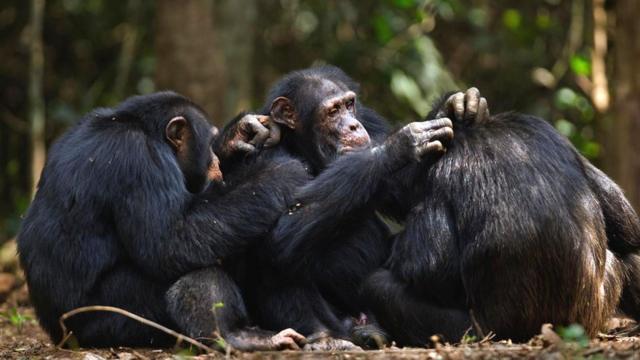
334, 111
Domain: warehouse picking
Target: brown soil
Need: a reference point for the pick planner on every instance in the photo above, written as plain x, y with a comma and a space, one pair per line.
30, 342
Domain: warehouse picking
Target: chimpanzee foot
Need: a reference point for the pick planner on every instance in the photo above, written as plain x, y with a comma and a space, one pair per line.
369, 337
287, 339
324, 342
257, 340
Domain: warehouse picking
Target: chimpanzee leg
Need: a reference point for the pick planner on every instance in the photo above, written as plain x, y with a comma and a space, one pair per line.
630, 301
207, 300
106, 329
623, 236
411, 320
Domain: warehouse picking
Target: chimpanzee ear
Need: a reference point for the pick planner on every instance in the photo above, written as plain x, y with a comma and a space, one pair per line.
282, 112
176, 132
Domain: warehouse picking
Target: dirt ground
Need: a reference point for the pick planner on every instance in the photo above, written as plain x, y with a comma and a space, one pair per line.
28, 341
22, 338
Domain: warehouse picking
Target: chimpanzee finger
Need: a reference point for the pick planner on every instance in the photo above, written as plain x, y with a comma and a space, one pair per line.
472, 98
274, 135
434, 124
443, 134
457, 103
431, 147
259, 131
264, 119
483, 110
448, 108
242, 146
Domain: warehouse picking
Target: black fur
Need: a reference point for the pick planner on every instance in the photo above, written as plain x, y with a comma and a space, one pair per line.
306, 275
113, 223
511, 228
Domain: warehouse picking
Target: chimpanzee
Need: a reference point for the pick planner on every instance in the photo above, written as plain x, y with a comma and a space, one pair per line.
306, 275
120, 218
509, 230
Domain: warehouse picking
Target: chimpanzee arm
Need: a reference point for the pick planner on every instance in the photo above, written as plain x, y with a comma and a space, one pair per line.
426, 251
462, 108
168, 236
347, 187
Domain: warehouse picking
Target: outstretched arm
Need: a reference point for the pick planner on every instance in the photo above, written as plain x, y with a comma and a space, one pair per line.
169, 236
325, 205
401, 190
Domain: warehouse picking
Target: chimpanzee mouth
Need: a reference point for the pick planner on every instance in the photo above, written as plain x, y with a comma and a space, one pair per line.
349, 149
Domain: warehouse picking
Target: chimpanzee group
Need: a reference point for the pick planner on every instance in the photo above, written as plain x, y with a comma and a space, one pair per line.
270, 233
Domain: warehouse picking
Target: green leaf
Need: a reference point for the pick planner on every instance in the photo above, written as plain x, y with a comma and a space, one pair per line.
403, 4
590, 149
512, 19
478, 17
543, 21
220, 342
565, 98
382, 29
574, 333
565, 127
404, 87
580, 65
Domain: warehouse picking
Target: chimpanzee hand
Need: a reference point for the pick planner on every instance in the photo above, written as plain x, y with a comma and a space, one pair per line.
469, 106
249, 134
418, 140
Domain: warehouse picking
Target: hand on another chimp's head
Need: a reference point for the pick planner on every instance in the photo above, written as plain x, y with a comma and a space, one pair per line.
467, 106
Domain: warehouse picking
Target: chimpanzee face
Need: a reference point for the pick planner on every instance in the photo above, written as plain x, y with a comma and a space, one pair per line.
324, 118
192, 137
336, 128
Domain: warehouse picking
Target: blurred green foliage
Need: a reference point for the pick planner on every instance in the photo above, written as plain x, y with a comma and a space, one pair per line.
575, 334
522, 56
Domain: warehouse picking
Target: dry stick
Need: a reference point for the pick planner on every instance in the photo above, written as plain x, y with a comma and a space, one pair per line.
475, 324
138, 318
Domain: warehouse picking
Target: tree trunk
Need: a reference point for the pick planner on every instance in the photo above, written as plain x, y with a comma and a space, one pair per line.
623, 147
236, 36
36, 97
188, 60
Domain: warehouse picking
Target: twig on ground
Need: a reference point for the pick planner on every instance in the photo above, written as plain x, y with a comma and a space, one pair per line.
179, 337
487, 338
140, 356
476, 325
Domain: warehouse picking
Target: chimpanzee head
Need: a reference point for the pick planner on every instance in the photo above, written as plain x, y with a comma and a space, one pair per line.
191, 138
183, 126
318, 109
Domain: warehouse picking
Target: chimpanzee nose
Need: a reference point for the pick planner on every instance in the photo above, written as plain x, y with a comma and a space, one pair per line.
353, 134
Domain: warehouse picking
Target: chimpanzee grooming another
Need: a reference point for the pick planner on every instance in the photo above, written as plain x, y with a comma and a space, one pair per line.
307, 274
509, 230
120, 219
